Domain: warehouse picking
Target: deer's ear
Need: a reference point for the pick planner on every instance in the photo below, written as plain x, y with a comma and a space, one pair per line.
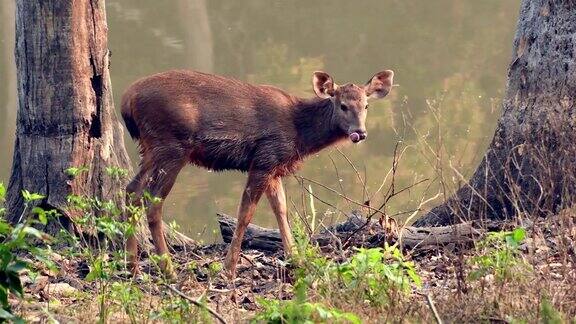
323, 84
380, 84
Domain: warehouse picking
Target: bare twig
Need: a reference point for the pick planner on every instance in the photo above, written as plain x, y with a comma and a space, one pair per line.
302, 217
323, 201
369, 218
197, 303
419, 208
390, 193
338, 193
364, 189
397, 193
432, 307
338, 178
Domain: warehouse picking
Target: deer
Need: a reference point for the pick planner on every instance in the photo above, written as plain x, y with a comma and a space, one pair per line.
219, 123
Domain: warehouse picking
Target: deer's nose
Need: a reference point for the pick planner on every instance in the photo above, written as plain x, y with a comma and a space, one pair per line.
358, 135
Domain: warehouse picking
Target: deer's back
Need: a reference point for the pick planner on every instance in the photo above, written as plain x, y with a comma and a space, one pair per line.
219, 123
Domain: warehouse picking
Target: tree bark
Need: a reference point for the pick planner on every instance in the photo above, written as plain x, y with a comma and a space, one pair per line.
66, 114
530, 165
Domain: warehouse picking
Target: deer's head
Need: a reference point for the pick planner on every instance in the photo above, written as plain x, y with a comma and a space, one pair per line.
350, 101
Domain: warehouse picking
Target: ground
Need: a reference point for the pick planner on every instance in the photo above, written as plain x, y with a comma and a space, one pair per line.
484, 282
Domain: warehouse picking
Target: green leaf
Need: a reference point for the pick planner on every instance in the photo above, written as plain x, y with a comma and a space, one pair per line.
519, 234
28, 196
75, 171
15, 284
4, 314
352, 318
17, 266
32, 231
415, 278
2, 191
4, 296
46, 261
96, 271
18, 320
5, 228
323, 313
116, 172
41, 215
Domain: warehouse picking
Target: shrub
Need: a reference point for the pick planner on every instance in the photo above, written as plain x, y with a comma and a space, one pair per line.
499, 255
18, 239
295, 311
373, 273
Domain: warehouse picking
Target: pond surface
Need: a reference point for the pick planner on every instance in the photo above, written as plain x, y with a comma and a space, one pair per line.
450, 59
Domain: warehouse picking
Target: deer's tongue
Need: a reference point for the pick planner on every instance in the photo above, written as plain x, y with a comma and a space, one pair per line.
354, 137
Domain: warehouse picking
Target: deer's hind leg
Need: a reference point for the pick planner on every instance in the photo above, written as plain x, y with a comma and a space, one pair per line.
160, 181
133, 198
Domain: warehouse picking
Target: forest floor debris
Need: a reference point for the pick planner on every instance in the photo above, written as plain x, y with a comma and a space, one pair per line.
458, 284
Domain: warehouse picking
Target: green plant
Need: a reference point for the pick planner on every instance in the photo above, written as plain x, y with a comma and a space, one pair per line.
116, 173
105, 223
549, 314
369, 276
2, 197
75, 171
173, 309
373, 273
128, 297
214, 268
295, 311
15, 240
310, 268
499, 255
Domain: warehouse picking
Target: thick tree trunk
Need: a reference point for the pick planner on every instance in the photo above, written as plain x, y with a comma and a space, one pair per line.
530, 166
66, 114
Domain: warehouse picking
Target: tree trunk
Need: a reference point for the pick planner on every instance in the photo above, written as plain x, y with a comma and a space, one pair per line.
530, 166
66, 114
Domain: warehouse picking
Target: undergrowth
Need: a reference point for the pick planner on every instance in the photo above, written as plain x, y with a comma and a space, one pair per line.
509, 276
324, 287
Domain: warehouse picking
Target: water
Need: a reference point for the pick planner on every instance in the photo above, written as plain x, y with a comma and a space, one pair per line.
450, 59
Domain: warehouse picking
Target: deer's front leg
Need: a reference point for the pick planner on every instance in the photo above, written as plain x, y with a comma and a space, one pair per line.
277, 199
257, 183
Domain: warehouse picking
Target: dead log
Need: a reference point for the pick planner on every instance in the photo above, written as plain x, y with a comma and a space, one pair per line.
424, 237
269, 240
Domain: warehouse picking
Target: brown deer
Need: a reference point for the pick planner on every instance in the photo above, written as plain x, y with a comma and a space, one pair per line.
182, 117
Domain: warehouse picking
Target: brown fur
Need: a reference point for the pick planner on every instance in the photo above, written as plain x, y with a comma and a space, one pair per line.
181, 117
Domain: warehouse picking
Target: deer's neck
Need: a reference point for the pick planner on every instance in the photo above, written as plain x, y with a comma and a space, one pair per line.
315, 126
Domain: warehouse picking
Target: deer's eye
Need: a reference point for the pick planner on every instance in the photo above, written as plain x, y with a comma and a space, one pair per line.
366, 107
344, 107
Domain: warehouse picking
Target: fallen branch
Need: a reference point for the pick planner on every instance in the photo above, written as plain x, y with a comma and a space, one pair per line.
197, 303
433, 308
430, 303
269, 240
